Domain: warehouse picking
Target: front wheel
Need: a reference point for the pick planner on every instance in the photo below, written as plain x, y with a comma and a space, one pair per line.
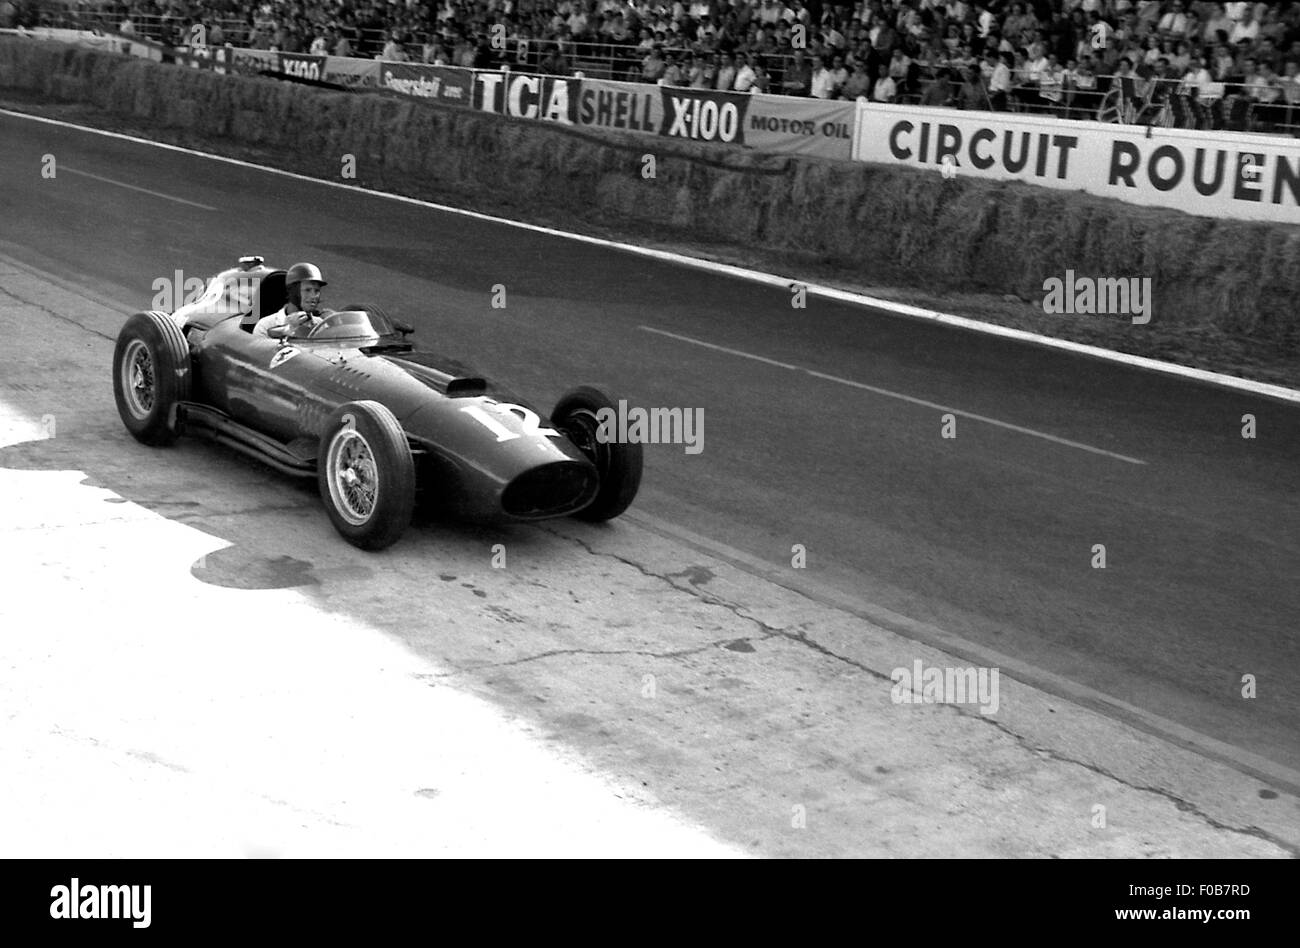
151, 376
578, 415
366, 475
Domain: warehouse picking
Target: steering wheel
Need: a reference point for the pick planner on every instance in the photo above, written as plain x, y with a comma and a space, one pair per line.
326, 320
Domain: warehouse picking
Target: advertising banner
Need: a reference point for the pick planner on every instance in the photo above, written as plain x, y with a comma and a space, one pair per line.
801, 126
621, 106
141, 50
444, 84
790, 125
252, 61
1215, 174
347, 71
704, 115
113, 43
545, 98
91, 39
767, 122
302, 65
216, 58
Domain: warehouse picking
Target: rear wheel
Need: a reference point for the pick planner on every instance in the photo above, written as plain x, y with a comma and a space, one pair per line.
151, 376
366, 475
577, 414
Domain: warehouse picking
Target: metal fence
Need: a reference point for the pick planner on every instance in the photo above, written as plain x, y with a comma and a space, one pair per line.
1112, 99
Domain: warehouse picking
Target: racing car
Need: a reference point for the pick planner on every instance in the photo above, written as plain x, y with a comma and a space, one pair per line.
353, 403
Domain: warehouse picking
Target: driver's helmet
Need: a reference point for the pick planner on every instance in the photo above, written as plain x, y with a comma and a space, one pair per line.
303, 271
295, 276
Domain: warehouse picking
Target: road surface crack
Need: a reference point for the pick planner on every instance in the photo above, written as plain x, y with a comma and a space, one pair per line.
801, 637
798, 636
564, 652
57, 315
1180, 803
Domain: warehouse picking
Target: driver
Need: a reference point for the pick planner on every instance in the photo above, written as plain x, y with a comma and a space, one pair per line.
301, 312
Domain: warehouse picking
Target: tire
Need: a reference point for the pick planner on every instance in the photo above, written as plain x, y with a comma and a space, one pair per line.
151, 376
618, 464
366, 475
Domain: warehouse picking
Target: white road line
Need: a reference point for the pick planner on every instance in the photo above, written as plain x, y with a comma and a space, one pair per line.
709, 345
132, 187
974, 417
1264, 389
901, 397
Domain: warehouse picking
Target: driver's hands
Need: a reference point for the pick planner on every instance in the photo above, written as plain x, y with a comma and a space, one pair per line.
300, 324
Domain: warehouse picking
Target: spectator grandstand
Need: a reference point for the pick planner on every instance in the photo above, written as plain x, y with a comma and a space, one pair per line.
1177, 63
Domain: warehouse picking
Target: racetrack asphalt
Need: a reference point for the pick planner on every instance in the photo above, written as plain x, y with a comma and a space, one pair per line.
823, 430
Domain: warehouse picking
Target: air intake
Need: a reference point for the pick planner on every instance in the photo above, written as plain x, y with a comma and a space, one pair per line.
550, 490
466, 387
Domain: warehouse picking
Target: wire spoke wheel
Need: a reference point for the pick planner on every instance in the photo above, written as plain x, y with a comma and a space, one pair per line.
366, 474
151, 377
353, 476
138, 381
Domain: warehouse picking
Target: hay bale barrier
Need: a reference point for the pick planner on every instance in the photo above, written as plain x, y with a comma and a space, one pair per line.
926, 232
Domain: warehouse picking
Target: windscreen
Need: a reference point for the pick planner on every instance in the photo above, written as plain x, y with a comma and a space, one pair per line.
352, 325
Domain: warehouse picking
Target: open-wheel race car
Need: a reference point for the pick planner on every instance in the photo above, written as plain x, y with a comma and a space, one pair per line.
357, 406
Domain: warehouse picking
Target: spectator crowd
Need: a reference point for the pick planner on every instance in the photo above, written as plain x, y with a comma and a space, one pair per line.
1071, 57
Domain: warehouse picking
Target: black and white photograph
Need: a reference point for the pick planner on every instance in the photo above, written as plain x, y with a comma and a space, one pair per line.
642, 430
